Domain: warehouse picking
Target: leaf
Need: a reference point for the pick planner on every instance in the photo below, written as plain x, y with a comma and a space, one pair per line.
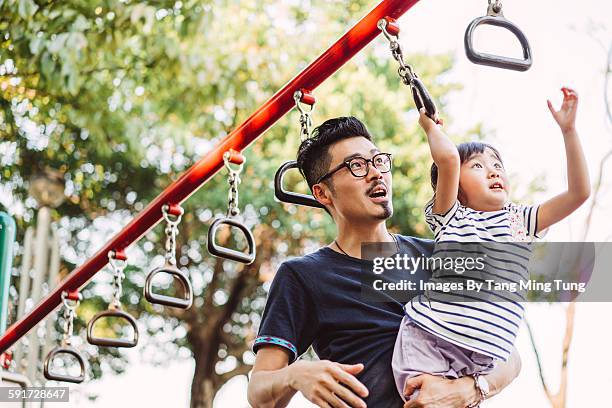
27, 8
81, 23
47, 66
58, 44
36, 45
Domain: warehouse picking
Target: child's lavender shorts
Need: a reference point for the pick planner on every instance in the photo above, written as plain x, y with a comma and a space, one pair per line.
419, 352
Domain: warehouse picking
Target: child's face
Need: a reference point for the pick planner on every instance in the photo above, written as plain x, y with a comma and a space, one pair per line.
483, 184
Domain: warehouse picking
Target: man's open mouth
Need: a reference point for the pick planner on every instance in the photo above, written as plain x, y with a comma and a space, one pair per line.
378, 192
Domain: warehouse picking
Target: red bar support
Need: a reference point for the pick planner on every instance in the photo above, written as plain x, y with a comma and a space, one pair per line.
362, 33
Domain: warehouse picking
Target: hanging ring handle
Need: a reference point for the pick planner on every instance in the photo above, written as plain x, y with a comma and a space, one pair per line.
228, 253
71, 300
109, 342
496, 18
49, 375
165, 300
288, 196
170, 267
421, 96
117, 260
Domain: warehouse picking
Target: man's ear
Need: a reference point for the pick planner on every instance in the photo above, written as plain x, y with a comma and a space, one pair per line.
322, 194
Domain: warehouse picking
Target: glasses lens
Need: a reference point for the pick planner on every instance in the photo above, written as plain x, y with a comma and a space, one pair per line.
359, 167
382, 162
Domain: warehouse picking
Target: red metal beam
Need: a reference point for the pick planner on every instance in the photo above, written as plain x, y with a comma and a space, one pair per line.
362, 33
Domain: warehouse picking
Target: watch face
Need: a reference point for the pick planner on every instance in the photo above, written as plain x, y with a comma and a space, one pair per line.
483, 384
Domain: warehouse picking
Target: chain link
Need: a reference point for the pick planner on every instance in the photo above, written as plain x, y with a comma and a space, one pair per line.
405, 71
495, 8
233, 180
171, 232
68, 315
305, 116
117, 266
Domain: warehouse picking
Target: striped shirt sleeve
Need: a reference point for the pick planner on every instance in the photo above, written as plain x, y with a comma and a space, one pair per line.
437, 221
529, 217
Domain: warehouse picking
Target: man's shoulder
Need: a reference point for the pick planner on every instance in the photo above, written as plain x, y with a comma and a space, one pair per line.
310, 260
411, 243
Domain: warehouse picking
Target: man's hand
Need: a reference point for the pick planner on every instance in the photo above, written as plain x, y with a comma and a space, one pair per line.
328, 384
566, 116
439, 392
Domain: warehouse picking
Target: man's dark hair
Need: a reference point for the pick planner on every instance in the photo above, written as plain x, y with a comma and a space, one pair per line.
313, 156
466, 152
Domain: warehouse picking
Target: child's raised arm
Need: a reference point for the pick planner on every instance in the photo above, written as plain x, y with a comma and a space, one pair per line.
578, 184
446, 157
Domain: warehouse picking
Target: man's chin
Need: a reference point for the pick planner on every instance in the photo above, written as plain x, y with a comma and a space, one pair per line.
387, 211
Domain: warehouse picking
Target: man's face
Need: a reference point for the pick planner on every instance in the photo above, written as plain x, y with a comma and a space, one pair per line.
356, 198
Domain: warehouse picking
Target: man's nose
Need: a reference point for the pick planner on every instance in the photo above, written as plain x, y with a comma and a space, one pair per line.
374, 173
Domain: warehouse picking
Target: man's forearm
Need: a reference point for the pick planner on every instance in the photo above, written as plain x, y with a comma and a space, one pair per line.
504, 373
270, 389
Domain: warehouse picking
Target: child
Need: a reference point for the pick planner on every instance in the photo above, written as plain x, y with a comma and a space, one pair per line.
470, 204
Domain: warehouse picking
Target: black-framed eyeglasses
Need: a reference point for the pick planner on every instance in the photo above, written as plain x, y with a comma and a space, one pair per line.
360, 166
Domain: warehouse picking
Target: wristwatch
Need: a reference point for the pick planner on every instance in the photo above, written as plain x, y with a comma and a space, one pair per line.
482, 386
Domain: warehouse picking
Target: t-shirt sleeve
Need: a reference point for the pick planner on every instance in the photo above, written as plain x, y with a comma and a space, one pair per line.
528, 214
437, 221
289, 318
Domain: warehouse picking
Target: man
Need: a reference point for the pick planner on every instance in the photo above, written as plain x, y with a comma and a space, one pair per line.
317, 299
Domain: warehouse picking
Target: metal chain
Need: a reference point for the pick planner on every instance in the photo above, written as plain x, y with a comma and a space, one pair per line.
171, 232
233, 180
495, 8
305, 116
69, 315
405, 71
117, 266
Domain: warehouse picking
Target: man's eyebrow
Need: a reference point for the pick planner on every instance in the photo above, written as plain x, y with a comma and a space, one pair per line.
352, 156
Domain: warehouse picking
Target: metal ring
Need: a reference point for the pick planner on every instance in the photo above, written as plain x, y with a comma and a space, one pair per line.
226, 157
101, 341
116, 264
289, 197
297, 96
382, 26
228, 253
64, 377
181, 303
165, 208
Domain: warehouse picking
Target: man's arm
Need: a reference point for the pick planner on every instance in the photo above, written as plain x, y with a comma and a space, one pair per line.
446, 393
505, 372
324, 383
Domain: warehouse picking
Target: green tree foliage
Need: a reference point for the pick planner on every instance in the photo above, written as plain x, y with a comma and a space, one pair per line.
122, 96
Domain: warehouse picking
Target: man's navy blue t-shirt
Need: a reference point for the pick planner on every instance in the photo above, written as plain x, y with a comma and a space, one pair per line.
317, 300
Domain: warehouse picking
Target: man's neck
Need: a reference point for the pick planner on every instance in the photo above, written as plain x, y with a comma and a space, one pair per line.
351, 237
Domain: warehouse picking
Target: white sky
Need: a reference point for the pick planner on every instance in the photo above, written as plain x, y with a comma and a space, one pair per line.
514, 106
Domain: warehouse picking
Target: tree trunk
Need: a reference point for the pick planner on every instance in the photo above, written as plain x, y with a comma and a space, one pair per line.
203, 387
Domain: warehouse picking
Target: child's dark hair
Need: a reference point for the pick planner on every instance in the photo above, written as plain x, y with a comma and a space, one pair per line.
313, 156
466, 151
